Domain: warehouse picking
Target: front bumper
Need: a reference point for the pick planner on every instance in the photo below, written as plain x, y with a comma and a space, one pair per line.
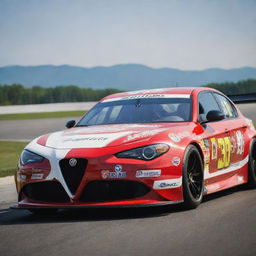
98, 161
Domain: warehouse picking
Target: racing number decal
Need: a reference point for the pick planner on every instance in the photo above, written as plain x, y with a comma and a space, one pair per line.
224, 145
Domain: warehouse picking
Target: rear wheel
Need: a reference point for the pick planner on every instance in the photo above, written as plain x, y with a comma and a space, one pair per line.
192, 180
252, 165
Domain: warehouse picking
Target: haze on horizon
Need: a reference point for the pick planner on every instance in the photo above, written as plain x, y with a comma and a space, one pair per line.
190, 35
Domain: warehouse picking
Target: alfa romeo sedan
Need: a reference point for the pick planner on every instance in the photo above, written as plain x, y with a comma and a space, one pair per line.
141, 148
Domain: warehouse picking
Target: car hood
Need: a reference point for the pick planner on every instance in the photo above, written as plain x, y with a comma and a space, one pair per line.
99, 136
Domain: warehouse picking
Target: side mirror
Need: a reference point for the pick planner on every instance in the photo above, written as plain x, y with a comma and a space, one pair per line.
214, 115
70, 123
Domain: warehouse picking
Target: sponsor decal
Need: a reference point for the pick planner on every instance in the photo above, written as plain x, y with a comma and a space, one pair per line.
85, 139
206, 150
233, 144
37, 176
57, 140
146, 96
104, 174
148, 173
143, 134
72, 162
105, 130
117, 174
118, 168
177, 137
214, 148
174, 137
176, 161
240, 143
143, 96
166, 184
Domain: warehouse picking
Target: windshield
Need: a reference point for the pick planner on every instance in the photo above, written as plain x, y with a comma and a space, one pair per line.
154, 110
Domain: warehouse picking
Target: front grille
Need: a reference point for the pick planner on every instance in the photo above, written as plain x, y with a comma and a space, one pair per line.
47, 191
73, 174
104, 191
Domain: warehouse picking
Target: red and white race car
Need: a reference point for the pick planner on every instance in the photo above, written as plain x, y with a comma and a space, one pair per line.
141, 148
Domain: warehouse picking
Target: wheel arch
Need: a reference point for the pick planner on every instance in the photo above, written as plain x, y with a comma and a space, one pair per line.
199, 149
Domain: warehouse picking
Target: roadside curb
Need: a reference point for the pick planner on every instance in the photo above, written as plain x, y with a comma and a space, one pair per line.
9, 180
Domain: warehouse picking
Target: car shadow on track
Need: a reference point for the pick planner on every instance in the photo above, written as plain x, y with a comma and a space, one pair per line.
16, 217
224, 193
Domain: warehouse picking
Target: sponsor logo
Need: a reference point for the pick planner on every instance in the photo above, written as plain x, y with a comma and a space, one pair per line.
141, 96
240, 143
118, 168
174, 137
176, 161
148, 173
105, 174
72, 162
37, 176
117, 174
177, 137
143, 134
85, 139
144, 96
166, 184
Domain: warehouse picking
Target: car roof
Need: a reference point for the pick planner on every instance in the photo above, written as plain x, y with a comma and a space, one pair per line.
159, 91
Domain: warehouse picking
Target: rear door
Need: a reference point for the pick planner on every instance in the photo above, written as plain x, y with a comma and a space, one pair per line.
236, 126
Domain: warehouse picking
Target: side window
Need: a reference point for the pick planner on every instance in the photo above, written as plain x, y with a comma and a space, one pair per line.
206, 103
226, 107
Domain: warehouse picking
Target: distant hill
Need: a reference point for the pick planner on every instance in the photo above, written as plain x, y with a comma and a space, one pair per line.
123, 77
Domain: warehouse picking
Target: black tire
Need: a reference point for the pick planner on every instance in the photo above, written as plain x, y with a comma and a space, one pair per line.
252, 165
43, 211
192, 178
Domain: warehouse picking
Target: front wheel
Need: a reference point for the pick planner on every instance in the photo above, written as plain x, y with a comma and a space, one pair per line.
192, 178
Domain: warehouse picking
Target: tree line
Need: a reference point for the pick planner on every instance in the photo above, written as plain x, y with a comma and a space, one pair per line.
17, 94
241, 87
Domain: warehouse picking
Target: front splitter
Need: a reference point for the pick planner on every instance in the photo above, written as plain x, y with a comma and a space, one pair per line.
23, 207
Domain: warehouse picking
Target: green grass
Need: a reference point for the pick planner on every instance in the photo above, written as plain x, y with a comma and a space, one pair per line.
9, 156
42, 115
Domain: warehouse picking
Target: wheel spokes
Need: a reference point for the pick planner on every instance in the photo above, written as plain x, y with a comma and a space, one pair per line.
194, 176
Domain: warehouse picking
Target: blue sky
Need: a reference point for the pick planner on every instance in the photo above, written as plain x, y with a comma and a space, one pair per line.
184, 34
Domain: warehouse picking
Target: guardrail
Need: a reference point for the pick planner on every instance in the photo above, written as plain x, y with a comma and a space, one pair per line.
243, 98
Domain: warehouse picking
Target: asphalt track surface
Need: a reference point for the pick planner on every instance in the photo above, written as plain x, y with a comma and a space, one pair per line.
224, 224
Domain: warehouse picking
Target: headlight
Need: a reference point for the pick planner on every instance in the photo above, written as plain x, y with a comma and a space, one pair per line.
28, 157
145, 153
